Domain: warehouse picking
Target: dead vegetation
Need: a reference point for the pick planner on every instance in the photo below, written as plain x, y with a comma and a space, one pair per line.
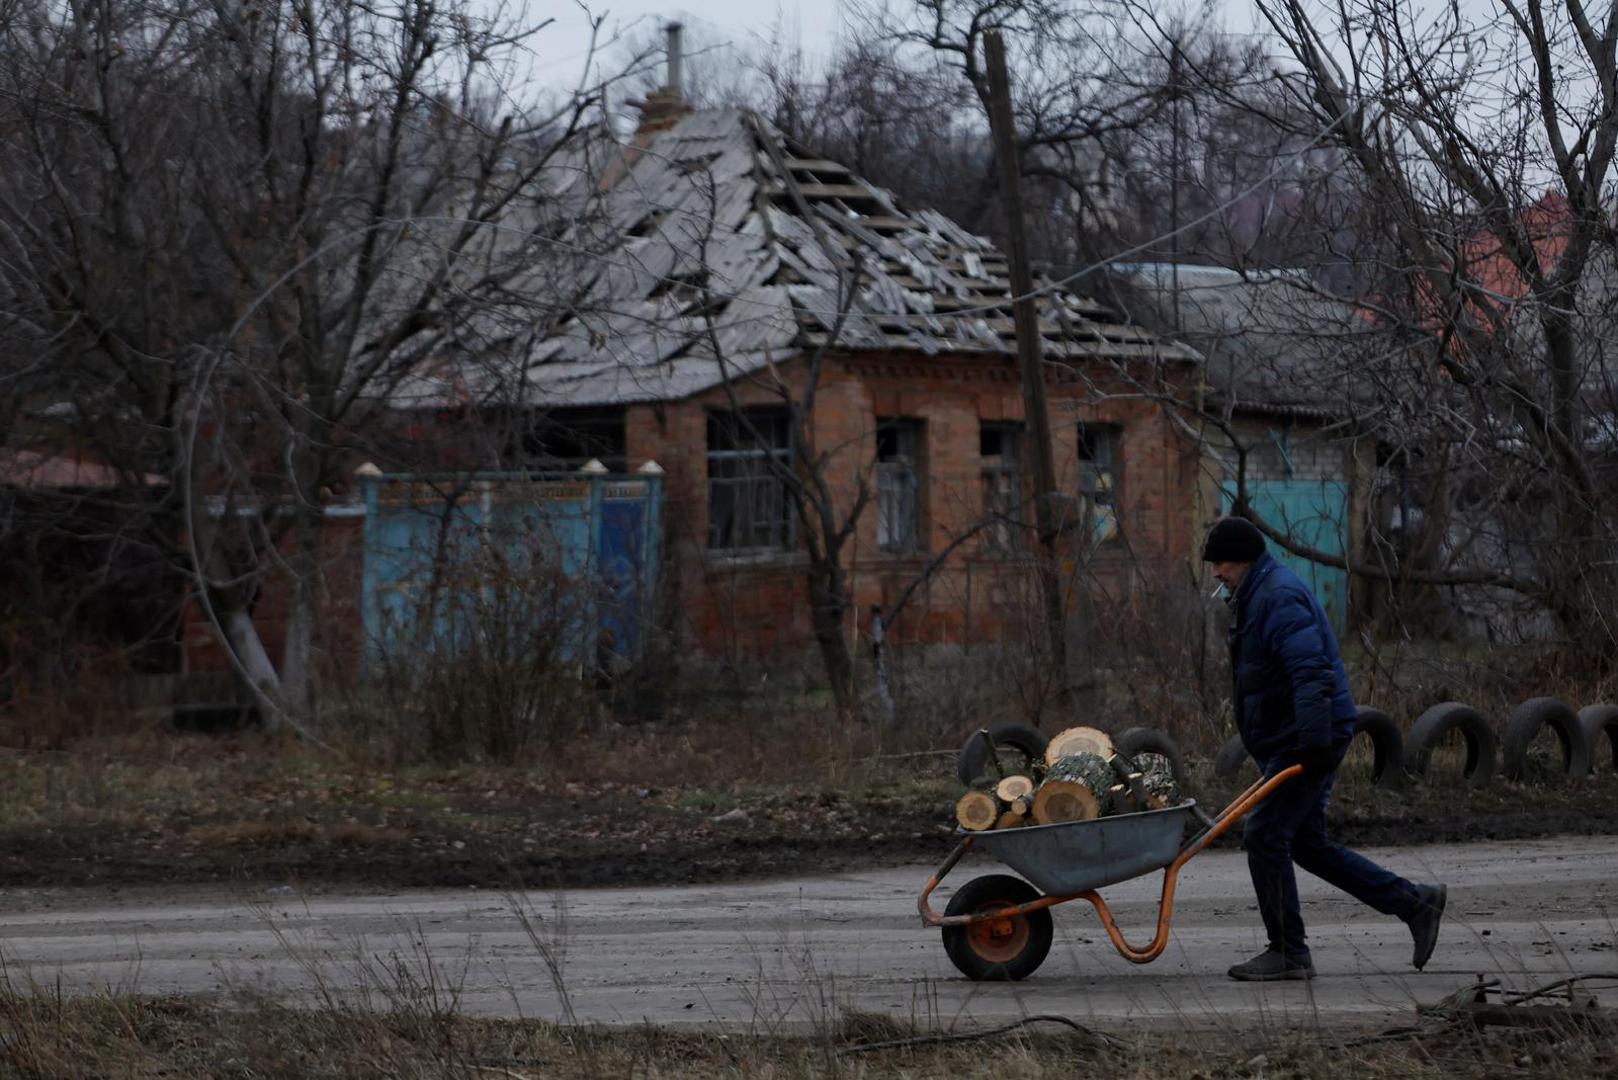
47, 1036
779, 786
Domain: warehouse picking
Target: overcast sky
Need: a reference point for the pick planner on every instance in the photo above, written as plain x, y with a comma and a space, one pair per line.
741, 23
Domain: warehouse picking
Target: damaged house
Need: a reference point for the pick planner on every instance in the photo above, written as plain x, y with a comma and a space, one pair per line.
773, 332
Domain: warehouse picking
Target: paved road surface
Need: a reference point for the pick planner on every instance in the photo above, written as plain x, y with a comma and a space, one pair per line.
790, 952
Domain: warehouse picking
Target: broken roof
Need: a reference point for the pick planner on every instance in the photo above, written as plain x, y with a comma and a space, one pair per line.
718, 246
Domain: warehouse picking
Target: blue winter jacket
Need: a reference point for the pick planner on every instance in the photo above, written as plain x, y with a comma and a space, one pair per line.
1291, 692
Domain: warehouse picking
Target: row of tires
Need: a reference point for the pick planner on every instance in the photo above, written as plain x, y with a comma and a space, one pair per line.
1587, 739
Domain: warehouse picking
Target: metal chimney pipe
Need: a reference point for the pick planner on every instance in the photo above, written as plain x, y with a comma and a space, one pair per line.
673, 85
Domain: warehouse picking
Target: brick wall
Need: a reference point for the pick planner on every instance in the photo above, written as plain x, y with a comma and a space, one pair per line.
757, 604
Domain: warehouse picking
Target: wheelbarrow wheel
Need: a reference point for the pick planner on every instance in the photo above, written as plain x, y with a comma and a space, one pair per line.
997, 949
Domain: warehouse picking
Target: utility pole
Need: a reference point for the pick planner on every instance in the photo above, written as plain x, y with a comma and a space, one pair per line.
1174, 175
1025, 314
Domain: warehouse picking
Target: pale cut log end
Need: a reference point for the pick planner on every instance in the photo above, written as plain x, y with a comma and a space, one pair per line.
1013, 788
1078, 740
976, 811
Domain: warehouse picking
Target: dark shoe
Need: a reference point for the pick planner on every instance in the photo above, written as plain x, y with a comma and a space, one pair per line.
1271, 966
1424, 923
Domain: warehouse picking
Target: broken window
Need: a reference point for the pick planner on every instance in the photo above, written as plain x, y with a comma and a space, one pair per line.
899, 447
748, 506
1098, 477
1000, 454
568, 438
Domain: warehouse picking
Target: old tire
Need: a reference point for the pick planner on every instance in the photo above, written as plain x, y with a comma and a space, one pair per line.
1387, 767
1232, 756
1600, 723
1021, 740
1387, 744
1523, 726
1001, 950
1438, 721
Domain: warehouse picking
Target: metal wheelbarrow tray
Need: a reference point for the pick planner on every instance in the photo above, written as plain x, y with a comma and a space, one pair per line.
999, 927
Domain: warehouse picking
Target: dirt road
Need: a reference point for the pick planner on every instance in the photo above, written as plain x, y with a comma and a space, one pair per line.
789, 952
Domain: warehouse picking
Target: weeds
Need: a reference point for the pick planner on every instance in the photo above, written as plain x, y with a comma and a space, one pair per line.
46, 1036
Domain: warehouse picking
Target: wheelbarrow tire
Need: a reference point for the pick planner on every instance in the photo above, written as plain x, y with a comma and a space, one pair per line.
973, 760
992, 951
1231, 758
1431, 726
1387, 744
1145, 740
1523, 726
1600, 723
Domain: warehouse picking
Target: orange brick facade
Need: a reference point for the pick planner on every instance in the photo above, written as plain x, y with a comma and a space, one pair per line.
757, 604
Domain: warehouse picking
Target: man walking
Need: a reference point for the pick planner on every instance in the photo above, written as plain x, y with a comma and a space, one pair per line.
1293, 708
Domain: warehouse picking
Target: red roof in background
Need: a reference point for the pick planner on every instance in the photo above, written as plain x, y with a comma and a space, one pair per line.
1549, 224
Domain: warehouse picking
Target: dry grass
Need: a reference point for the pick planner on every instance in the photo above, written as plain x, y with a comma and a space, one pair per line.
47, 1036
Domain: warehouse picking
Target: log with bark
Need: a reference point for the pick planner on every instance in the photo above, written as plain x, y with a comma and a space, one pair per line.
1075, 788
1157, 778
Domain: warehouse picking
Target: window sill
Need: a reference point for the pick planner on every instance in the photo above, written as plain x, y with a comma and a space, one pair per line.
731, 558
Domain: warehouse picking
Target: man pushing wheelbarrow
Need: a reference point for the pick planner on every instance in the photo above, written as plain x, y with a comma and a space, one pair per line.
1293, 707
1296, 717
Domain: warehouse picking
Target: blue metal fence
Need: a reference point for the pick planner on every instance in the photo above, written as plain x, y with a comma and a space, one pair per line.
444, 550
1314, 512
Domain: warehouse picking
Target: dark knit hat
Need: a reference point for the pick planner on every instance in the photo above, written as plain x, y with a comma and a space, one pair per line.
1233, 539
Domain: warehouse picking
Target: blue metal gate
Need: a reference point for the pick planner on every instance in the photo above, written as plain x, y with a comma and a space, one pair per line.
1314, 513
443, 552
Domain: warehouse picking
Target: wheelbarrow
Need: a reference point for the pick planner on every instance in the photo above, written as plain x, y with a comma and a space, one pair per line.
999, 927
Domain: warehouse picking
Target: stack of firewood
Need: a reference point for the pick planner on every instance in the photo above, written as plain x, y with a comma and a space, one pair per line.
1081, 777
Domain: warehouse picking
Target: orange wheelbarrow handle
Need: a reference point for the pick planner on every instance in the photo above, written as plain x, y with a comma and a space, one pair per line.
1239, 807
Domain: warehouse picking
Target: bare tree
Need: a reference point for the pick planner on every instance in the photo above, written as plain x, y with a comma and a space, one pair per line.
233, 234
1483, 153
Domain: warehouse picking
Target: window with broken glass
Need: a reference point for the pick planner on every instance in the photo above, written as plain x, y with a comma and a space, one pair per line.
1000, 453
748, 505
1099, 468
899, 447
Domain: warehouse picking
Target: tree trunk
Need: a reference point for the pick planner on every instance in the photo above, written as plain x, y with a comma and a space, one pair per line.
298, 684
241, 637
829, 604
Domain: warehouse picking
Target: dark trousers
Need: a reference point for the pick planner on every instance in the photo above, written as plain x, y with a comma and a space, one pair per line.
1290, 827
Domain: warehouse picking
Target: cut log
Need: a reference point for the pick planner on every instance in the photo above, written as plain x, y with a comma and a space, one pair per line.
1157, 780
1010, 820
1078, 740
1013, 788
976, 811
1075, 789
1022, 804
1065, 800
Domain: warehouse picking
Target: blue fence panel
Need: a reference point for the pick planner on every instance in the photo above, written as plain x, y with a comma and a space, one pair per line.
1315, 514
442, 553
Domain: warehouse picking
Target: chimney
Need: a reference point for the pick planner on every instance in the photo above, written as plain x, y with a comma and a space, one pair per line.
664, 106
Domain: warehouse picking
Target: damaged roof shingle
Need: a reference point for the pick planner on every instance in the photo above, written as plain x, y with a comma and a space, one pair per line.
720, 247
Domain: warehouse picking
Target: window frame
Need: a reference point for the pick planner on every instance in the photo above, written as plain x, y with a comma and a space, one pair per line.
1001, 485
900, 479
1100, 476
751, 482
